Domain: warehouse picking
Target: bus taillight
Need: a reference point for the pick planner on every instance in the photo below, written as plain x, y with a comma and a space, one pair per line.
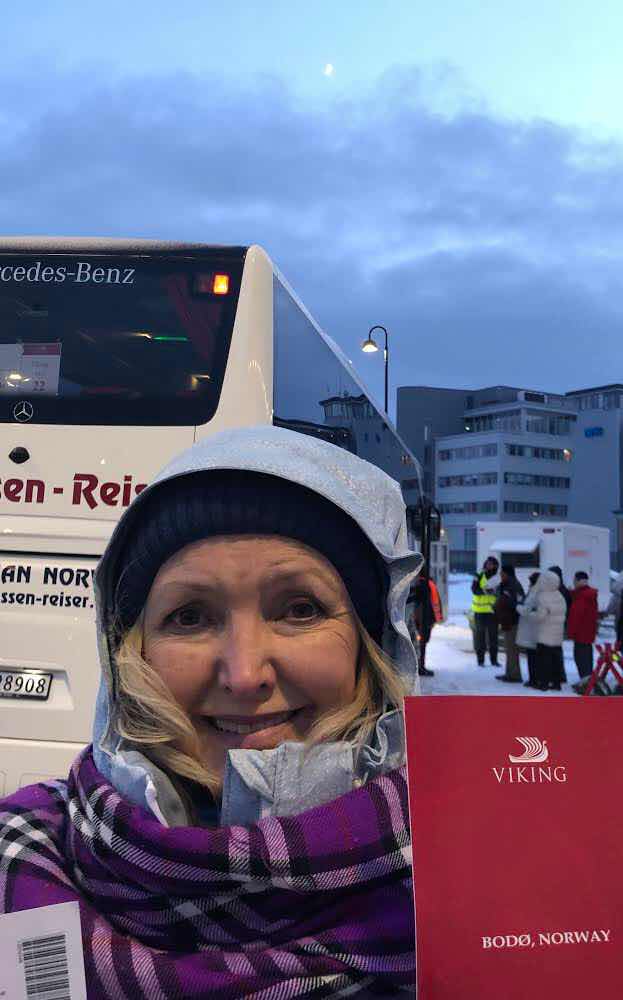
211, 284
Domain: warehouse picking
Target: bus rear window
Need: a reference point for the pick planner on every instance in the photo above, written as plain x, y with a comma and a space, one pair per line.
109, 340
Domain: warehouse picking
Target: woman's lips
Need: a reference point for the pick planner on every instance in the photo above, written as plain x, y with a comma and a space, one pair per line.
258, 732
249, 724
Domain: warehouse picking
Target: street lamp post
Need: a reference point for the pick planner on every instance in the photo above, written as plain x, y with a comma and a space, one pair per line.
370, 345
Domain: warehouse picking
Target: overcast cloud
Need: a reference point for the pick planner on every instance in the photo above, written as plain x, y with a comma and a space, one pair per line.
491, 249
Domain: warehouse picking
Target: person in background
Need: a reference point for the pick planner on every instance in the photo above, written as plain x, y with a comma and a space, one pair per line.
425, 612
549, 613
527, 629
582, 623
566, 593
615, 606
484, 589
510, 594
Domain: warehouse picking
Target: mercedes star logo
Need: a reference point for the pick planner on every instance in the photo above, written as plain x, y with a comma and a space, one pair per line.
23, 411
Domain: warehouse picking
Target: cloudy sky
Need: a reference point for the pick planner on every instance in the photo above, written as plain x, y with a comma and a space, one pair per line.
453, 171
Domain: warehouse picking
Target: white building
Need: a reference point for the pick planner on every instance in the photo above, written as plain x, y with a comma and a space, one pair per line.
503, 453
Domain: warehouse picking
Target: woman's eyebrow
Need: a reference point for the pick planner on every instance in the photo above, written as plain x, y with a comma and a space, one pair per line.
189, 585
293, 575
275, 574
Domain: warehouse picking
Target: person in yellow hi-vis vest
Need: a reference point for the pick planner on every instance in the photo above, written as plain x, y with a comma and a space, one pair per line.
484, 589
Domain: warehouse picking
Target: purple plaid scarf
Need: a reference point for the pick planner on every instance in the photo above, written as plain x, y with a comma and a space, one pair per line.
315, 905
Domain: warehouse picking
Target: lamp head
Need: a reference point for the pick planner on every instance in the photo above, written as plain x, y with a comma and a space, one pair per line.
369, 346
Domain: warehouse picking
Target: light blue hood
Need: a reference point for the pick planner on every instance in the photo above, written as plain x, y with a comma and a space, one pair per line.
291, 777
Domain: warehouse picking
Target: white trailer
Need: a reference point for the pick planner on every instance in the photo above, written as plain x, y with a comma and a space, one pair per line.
537, 545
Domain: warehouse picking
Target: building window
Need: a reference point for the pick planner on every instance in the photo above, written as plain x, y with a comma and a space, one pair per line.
527, 479
470, 507
475, 479
535, 509
548, 454
539, 422
469, 451
611, 400
509, 420
470, 539
594, 401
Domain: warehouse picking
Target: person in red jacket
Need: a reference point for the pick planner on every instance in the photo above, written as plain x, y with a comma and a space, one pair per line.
582, 623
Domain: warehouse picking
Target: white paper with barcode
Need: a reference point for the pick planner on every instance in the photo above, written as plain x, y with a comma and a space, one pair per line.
41, 954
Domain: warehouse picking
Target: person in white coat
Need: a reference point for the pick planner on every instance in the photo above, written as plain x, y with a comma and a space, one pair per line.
615, 607
527, 629
550, 611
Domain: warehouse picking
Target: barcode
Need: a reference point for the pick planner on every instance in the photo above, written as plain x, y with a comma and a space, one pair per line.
46, 971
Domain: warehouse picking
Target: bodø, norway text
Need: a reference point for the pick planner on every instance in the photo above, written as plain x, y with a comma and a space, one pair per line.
547, 939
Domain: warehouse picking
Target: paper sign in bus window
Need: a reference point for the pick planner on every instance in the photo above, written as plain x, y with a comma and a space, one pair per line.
30, 369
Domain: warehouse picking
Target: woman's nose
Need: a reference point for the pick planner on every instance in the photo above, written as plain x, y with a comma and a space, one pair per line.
244, 666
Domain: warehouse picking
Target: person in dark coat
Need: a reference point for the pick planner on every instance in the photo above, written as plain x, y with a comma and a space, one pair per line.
423, 613
566, 593
510, 594
582, 623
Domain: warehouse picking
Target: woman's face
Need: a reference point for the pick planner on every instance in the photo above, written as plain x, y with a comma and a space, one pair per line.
255, 639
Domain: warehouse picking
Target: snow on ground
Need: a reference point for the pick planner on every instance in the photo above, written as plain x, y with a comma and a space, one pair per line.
450, 654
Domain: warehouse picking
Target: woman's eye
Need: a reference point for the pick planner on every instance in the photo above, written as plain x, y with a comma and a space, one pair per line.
189, 617
303, 611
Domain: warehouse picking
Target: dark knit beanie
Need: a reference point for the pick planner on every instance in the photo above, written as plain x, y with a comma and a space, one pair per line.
235, 502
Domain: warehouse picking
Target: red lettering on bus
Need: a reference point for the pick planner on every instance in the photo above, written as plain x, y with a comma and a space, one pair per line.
109, 493
127, 490
36, 486
13, 489
84, 485
88, 489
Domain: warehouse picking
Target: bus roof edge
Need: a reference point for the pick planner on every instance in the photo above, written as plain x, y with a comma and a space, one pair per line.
97, 244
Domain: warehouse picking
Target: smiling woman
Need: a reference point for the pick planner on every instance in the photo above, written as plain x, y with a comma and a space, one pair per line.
260, 653
241, 819
251, 638
255, 640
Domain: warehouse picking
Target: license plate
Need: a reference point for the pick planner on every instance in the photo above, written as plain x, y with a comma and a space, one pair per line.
25, 684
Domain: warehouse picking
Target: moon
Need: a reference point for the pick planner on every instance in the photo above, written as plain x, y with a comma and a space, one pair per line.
329, 69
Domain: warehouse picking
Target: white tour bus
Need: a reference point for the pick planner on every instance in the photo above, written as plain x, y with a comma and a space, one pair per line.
114, 356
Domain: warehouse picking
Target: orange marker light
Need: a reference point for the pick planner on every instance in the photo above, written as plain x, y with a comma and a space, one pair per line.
220, 285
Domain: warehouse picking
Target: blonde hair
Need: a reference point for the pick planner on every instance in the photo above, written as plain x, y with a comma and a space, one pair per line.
148, 716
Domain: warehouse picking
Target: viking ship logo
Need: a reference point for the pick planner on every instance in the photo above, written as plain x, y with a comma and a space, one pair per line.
535, 751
